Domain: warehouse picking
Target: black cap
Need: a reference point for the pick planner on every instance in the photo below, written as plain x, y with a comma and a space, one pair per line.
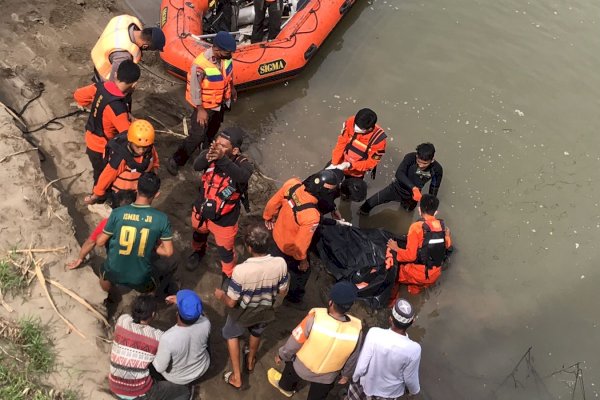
235, 136
343, 293
158, 39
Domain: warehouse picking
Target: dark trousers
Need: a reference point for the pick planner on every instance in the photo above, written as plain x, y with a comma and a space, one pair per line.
165, 390
260, 10
290, 379
298, 279
198, 135
97, 161
392, 192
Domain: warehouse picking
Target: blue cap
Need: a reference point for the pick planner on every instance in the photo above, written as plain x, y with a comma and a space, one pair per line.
189, 304
343, 293
225, 41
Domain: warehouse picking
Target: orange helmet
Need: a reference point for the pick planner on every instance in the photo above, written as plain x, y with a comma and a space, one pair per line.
141, 133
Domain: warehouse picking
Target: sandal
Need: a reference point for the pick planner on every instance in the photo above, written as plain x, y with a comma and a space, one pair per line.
247, 361
226, 376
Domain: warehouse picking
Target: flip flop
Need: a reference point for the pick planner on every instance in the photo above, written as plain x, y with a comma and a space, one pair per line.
226, 376
247, 363
274, 377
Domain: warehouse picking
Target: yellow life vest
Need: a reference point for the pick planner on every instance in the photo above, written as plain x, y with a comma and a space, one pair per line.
330, 342
115, 37
216, 85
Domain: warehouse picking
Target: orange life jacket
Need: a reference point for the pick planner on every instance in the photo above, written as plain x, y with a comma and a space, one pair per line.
216, 85
115, 37
220, 190
432, 252
357, 149
117, 153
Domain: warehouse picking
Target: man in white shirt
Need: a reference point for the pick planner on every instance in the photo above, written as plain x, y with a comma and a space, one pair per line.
388, 365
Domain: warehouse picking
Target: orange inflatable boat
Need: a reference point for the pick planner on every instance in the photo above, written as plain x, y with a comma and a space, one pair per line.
305, 25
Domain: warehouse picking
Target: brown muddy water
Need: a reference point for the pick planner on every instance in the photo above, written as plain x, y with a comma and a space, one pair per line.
508, 92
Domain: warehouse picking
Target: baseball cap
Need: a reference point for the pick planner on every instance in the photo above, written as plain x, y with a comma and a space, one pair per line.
343, 293
234, 134
189, 304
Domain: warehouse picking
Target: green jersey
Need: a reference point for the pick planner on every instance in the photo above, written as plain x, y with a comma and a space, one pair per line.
134, 231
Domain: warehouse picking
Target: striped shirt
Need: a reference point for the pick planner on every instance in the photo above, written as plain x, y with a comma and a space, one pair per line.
133, 349
257, 280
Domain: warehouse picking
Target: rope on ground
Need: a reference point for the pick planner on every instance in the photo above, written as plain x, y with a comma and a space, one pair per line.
173, 83
51, 125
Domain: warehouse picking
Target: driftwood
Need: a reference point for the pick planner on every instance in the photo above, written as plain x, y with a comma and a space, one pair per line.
17, 153
168, 130
185, 127
43, 250
80, 300
47, 196
42, 279
52, 182
4, 304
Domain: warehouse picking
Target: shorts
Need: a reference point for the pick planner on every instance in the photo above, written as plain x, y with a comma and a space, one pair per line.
146, 287
233, 329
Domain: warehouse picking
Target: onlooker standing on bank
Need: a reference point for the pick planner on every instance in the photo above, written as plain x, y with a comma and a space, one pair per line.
322, 347
253, 289
388, 365
209, 91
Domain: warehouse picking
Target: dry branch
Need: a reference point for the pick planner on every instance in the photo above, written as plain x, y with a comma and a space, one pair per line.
168, 130
80, 300
42, 279
17, 153
45, 190
10, 355
42, 250
4, 304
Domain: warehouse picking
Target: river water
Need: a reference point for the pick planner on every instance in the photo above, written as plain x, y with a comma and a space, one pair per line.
508, 92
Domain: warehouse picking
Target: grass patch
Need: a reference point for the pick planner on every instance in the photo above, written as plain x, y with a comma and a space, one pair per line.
27, 355
36, 345
16, 386
10, 279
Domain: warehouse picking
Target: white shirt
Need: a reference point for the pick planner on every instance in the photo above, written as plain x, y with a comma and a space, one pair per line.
388, 363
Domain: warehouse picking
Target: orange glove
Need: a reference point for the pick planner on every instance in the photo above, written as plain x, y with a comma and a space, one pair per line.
416, 194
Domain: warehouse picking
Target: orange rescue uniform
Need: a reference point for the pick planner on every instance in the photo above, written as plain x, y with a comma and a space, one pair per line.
293, 231
411, 273
114, 115
118, 175
362, 151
